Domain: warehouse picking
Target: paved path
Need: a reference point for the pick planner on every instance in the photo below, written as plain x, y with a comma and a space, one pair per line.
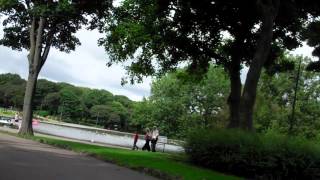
29, 160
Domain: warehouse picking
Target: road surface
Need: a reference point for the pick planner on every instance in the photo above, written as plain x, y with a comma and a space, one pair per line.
22, 159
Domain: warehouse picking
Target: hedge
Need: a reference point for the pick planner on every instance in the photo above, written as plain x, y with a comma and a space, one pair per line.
251, 155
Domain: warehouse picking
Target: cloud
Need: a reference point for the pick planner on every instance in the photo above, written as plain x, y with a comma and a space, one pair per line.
13, 61
86, 67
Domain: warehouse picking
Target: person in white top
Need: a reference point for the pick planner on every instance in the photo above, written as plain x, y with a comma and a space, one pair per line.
16, 119
154, 138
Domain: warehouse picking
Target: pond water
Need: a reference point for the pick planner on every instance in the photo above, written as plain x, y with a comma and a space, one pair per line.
98, 136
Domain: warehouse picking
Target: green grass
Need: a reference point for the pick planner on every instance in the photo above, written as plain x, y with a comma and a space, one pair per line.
7, 113
168, 166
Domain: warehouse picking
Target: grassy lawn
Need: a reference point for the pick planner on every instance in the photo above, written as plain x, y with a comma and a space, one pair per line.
7, 113
163, 165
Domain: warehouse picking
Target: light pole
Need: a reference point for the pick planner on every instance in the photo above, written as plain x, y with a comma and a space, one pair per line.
61, 111
97, 119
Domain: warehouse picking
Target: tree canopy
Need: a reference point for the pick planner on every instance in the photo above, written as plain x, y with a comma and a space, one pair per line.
159, 36
178, 104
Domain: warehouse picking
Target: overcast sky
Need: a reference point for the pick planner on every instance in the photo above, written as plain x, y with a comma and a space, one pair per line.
86, 67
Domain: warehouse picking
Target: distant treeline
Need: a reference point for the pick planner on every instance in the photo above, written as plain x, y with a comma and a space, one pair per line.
68, 102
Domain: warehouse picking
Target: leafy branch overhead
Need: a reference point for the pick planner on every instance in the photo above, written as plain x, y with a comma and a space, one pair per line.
61, 21
157, 36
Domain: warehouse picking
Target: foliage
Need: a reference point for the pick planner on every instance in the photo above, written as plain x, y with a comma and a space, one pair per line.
62, 20
274, 103
179, 102
142, 114
44, 87
268, 156
11, 91
51, 102
7, 112
103, 114
72, 104
311, 35
95, 97
42, 113
39, 25
157, 37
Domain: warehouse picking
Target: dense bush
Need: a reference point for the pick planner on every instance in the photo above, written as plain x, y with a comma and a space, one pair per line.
250, 155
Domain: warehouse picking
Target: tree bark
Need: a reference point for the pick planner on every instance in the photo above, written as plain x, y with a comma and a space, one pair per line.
26, 126
234, 97
35, 63
235, 80
269, 10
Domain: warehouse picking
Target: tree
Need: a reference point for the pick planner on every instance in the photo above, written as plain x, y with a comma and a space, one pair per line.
120, 114
101, 112
70, 103
107, 115
161, 35
44, 87
274, 105
142, 115
97, 97
11, 90
179, 103
312, 36
124, 100
38, 25
51, 102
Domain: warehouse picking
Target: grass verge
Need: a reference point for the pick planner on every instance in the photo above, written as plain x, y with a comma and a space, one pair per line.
7, 113
161, 165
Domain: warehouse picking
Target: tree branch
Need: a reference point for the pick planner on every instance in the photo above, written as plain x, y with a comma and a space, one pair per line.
32, 41
38, 46
46, 51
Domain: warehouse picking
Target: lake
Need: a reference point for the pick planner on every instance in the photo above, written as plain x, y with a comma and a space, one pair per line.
90, 134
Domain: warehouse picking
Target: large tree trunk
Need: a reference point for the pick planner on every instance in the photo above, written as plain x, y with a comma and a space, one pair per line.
36, 61
26, 126
269, 10
235, 80
234, 97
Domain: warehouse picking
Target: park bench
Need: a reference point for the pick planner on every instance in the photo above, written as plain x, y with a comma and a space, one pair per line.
162, 140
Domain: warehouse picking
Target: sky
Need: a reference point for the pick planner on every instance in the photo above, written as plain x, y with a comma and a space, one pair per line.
86, 67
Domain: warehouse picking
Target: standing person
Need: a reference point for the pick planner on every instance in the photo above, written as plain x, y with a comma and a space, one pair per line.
135, 140
154, 140
147, 137
15, 119
16, 116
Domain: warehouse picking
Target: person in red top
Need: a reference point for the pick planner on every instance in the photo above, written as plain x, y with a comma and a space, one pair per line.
135, 140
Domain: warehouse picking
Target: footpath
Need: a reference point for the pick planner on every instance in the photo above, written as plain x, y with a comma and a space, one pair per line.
29, 160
